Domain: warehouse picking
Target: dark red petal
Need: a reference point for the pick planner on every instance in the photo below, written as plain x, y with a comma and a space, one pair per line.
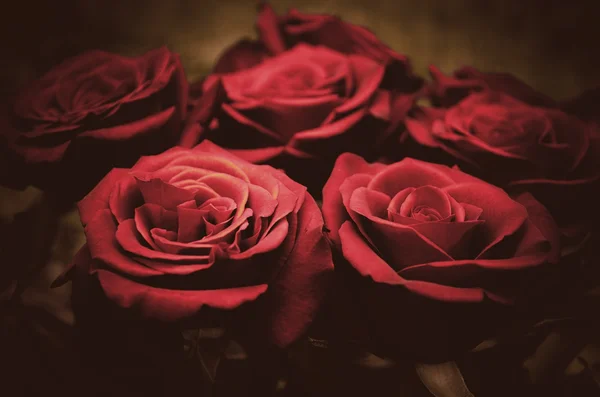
543, 222
472, 213
271, 241
127, 237
259, 156
369, 264
104, 248
203, 112
368, 76
420, 125
302, 282
150, 216
127, 131
155, 191
172, 305
263, 204
400, 245
267, 24
503, 217
229, 186
399, 198
153, 163
98, 199
125, 198
409, 173
346, 165
427, 196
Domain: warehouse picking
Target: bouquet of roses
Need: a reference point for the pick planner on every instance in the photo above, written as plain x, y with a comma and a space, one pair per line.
311, 218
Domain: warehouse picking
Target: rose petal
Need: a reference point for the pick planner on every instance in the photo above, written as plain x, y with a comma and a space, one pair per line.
347, 164
98, 199
103, 247
401, 245
149, 216
409, 173
299, 289
368, 75
502, 216
173, 305
229, 186
427, 196
155, 191
368, 264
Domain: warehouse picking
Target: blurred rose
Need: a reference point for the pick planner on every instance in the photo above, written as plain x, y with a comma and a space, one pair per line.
193, 229
447, 91
280, 33
508, 134
298, 110
91, 113
439, 250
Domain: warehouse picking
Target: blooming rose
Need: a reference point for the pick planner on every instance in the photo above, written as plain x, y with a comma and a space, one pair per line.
298, 110
192, 229
438, 249
506, 135
93, 112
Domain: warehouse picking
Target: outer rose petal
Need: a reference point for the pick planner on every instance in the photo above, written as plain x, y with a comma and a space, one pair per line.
544, 222
97, 199
437, 313
347, 164
172, 305
301, 284
211, 98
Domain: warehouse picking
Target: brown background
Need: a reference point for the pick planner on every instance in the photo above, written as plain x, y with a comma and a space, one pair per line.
552, 44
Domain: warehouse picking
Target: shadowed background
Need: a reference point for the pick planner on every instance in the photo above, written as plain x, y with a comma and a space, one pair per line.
551, 44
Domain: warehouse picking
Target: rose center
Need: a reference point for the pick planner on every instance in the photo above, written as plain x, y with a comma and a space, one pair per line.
422, 204
425, 214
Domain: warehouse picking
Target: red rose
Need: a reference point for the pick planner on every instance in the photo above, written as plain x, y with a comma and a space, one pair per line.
505, 135
278, 34
91, 113
435, 247
193, 229
298, 110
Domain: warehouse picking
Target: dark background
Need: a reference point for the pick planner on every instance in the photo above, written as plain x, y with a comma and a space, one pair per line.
552, 44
